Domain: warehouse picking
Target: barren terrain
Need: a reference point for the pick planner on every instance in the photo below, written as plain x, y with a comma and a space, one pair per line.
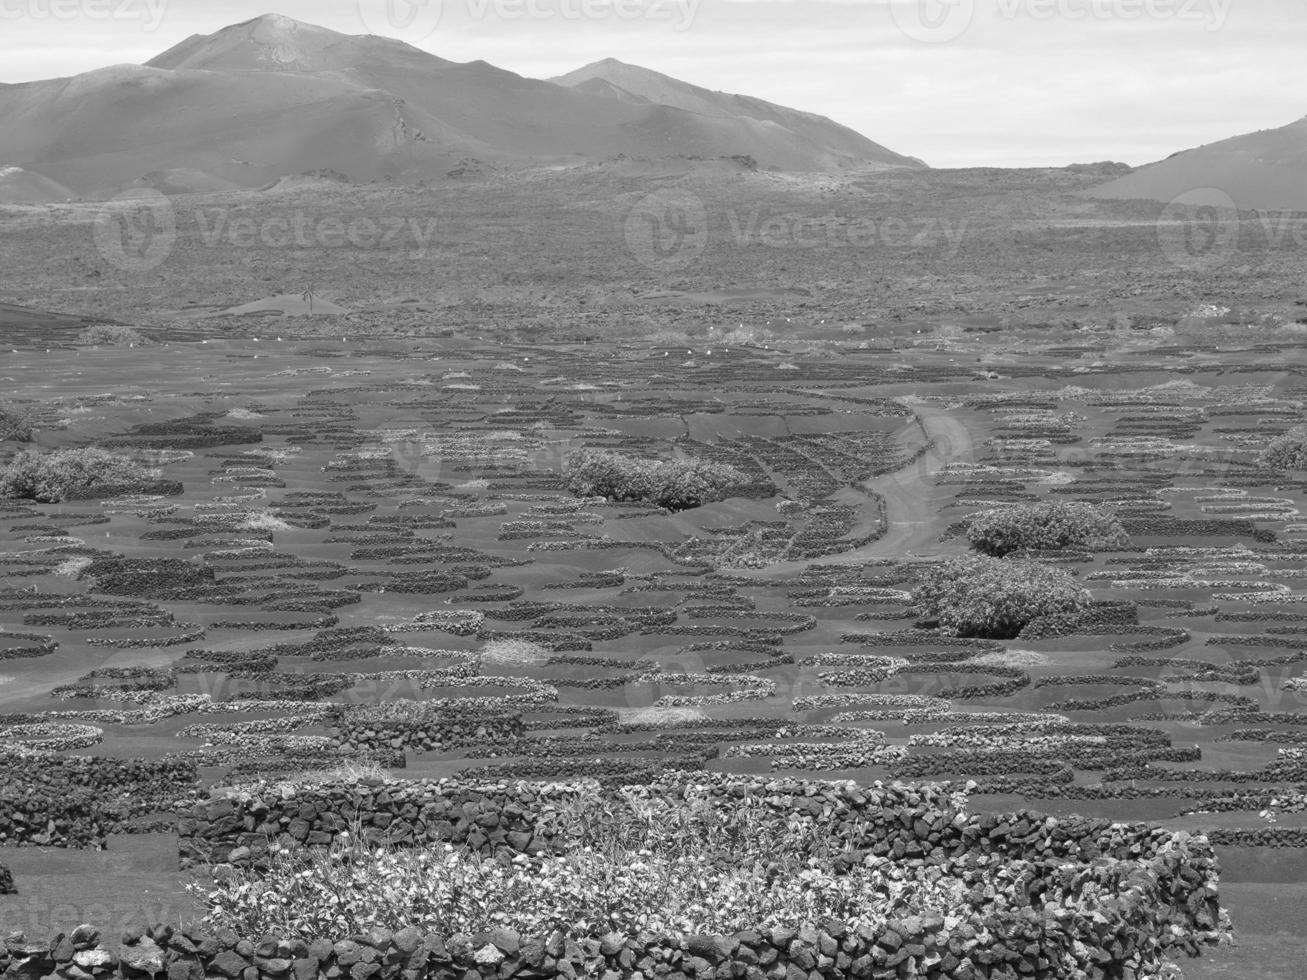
370, 500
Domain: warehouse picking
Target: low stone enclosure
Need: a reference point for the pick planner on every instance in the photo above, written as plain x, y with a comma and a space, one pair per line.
1080, 898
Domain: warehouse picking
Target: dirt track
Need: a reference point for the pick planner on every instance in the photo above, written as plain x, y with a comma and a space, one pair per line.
912, 501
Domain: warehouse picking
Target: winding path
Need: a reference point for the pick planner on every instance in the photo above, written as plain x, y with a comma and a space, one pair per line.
913, 502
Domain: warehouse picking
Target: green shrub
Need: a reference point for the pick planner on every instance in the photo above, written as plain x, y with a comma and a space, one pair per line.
1045, 527
50, 477
16, 424
679, 484
987, 597
112, 335
1288, 451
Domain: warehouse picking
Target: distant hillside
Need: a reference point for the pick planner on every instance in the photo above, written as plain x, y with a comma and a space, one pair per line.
630, 83
272, 96
19, 186
21, 326
1265, 170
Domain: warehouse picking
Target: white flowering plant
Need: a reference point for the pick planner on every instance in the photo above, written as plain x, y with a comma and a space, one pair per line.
355, 886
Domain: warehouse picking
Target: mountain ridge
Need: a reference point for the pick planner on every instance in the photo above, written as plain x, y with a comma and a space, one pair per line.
1263, 170
272, 96
656, 88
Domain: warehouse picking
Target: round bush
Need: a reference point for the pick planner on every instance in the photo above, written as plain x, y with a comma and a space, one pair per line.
112, 335
679, 484
592, 473
1045, 527
994, 599
51, 477
1288, 451
15, 424
682, 484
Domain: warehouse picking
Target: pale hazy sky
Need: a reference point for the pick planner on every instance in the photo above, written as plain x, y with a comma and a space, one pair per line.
955, 82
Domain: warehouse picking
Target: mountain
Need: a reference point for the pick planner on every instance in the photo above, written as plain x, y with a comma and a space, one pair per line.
1266, 170
19, 186
272, 96
630, 83
276, 43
